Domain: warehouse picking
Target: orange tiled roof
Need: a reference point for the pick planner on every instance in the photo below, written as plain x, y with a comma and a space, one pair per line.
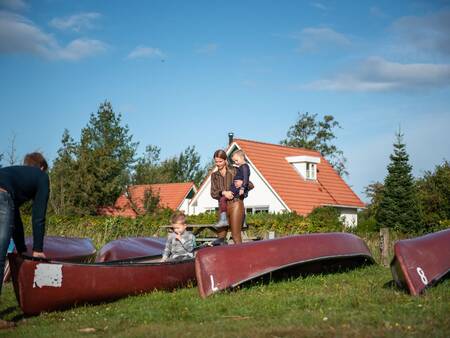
171, 196
299, 194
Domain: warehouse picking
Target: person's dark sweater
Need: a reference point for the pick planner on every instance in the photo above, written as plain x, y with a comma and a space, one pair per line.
26, 183
243, 174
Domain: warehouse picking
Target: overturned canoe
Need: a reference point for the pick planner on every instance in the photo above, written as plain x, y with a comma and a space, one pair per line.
421, 262
48, 285
131, 247
224, 267
67, 249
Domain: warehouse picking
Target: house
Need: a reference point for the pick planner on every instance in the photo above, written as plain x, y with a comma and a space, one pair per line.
175, 196
286, 179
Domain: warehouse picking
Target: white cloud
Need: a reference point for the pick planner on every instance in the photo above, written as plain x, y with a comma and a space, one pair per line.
75, 22
20, 35
209, 48
80, 48
145, 52
377, 74
319, 5
313, 39
15, 5
425, 34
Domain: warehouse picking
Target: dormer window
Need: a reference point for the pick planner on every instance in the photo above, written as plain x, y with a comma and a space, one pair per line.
311, 171
306, 166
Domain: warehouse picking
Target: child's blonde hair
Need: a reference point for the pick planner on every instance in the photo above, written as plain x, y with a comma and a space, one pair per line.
178, 217
239, 153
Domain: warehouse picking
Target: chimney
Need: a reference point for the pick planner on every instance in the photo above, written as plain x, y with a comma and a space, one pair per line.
230, 138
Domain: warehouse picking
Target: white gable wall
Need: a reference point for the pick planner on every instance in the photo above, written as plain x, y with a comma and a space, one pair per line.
260, 196
349, 217
184, 206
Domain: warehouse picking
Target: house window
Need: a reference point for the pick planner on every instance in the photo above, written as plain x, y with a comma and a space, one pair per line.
306, 166
257, 210
311, 171
211, 210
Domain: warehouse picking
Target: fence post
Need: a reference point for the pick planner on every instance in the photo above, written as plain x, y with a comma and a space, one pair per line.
384, 246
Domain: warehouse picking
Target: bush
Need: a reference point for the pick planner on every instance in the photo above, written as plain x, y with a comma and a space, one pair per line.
103, 229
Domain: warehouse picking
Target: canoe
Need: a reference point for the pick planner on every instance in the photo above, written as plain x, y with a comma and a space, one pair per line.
131, 247
67, 249
421, 262
224, 267
48, 285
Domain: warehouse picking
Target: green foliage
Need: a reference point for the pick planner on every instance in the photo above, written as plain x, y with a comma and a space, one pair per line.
94, 171
310, 133
399, 208
366, 224
182, 168
434, 195
151, 201
103, 229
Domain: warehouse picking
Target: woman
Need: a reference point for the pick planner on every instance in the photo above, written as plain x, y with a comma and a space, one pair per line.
220, 186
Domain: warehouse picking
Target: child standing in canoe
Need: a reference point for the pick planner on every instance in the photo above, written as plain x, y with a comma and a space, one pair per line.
180, 243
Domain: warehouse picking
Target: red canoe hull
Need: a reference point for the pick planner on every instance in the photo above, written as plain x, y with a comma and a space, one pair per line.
131, 247
224, 267
48, 286
421, 262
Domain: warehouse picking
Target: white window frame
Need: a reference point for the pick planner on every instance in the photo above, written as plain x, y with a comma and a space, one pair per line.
257, 209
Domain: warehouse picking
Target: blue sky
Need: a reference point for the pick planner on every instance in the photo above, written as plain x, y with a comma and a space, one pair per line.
187, 72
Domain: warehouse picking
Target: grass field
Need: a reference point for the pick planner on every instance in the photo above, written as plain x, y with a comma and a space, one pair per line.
359, 303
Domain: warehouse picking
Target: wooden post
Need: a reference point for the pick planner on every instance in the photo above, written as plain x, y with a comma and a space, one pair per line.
384, 246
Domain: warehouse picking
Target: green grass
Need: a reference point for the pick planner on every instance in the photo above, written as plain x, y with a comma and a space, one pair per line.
359, 303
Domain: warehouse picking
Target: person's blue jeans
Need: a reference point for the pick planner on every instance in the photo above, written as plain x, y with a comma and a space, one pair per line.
6, 228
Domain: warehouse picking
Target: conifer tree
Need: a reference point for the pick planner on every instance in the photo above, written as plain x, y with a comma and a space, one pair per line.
93, 172
398, 207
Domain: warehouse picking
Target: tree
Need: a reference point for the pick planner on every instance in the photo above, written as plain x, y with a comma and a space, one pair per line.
182, 168
310, 133
148, 168
63, 177
398, 208
374, 192
95, 171
12, 153
434, 194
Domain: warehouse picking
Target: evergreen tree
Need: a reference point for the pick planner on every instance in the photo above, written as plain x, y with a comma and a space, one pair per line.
398, 208
310, 133
63, 177
95, 171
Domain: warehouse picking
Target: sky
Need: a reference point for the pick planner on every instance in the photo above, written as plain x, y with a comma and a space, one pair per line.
185, 73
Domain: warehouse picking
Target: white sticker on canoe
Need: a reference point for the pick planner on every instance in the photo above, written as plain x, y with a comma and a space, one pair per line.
48, 275
422, 276
213, 287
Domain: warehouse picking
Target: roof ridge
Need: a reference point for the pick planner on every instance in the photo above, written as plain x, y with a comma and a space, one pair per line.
277, 145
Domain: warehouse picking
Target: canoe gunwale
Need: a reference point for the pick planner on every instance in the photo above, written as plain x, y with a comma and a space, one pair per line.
369, 259
136, 261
